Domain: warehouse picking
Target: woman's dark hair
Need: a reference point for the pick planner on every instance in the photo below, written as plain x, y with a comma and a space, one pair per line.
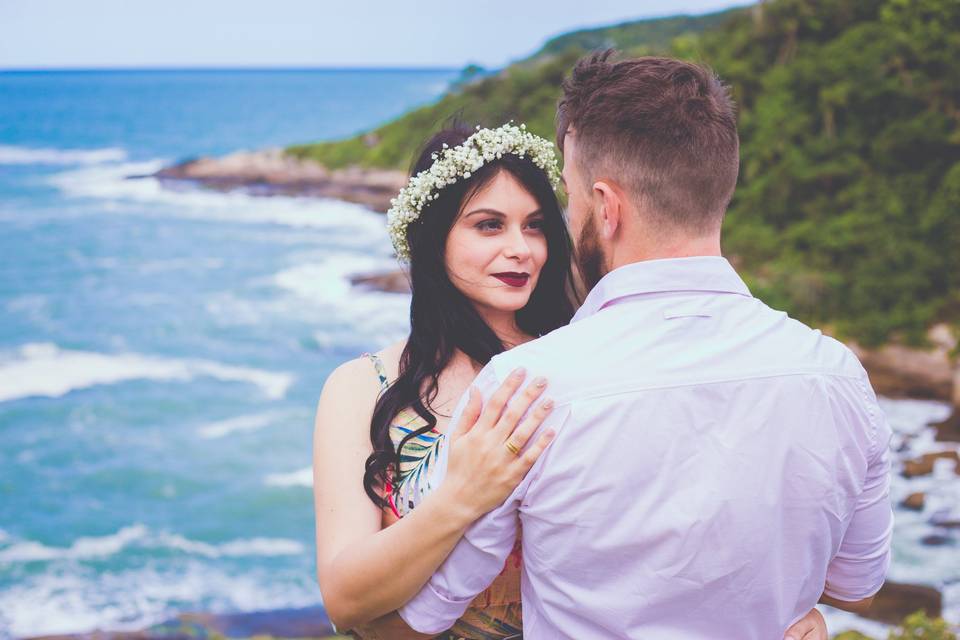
442, 319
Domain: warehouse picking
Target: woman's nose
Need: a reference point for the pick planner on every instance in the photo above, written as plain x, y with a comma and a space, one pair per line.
517, 246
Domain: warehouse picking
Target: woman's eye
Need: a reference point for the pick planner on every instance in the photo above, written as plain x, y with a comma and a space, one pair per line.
536, 224
489, 225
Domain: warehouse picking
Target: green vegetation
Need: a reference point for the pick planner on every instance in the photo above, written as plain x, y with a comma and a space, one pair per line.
848, 208
915, 627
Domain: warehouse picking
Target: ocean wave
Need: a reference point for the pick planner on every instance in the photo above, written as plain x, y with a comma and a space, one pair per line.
346, 222
82, 548
38, 155
300, 478
77, 600
43, 369
318, 290
251, 422
350, 315
141, 537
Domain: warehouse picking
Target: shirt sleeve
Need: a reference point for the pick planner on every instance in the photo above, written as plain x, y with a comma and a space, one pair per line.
479, 556
860, 566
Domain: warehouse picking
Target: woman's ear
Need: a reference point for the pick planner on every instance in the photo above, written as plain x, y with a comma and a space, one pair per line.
610, 209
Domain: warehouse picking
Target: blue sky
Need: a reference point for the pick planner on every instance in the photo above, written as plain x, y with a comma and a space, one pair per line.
351, 33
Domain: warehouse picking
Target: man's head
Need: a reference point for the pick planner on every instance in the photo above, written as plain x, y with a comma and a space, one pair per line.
651, 157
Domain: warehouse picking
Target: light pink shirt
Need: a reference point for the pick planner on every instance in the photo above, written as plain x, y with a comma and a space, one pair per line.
716, 464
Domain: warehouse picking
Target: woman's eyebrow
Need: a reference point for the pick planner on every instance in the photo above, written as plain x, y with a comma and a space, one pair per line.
501, 214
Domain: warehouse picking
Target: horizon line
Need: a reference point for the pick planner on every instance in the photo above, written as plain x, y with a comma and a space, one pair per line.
292, 67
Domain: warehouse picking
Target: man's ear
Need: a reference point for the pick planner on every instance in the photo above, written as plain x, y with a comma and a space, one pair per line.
610, 208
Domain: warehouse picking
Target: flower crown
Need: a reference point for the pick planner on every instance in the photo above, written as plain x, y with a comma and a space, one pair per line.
450, 164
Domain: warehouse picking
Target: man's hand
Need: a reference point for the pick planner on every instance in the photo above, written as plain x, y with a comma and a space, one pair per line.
810, 627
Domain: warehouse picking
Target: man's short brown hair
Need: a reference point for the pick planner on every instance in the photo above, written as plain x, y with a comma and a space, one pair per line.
664, 129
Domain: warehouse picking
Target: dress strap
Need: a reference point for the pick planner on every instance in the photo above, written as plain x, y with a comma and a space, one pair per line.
381, 370
382, 374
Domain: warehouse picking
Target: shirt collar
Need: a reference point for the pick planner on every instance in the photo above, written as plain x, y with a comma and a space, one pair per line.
698, 273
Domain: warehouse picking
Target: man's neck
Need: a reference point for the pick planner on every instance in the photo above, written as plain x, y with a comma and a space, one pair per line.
665, 249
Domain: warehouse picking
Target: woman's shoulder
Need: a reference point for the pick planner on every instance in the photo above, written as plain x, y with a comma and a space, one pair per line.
353, 380
347, 399
360, 375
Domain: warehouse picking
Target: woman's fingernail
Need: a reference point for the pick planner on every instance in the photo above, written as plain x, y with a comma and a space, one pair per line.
548, 404
540, 383
519, 372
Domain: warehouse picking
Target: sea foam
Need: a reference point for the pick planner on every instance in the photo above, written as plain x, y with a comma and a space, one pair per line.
300, 478
44, 369
77, 599
251, 422
140, 536
132, 182
33, 155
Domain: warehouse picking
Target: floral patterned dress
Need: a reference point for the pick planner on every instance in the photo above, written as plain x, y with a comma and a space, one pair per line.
494, 614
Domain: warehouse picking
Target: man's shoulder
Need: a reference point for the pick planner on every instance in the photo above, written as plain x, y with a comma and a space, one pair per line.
546, 355
797, 342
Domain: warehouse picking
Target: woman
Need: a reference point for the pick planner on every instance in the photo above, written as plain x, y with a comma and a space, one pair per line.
489, 261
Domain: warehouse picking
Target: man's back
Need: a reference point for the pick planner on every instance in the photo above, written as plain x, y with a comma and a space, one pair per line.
710, 457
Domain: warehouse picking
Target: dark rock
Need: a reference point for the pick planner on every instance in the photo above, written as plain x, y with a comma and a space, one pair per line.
924, 464
914, 468
949, 429
896, 601
936, 540
390, 282
900, 371
945, 522
914, 501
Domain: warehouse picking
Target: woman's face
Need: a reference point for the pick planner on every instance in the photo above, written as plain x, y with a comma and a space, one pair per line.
496, 246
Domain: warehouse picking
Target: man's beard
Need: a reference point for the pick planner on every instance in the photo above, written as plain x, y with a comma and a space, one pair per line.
590, 258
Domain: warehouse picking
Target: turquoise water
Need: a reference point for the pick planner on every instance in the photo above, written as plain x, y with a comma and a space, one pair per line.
161, 352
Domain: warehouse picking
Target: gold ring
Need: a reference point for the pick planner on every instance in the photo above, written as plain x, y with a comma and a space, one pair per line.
512, 448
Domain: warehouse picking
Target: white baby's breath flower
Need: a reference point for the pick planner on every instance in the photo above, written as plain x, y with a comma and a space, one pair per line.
461, 161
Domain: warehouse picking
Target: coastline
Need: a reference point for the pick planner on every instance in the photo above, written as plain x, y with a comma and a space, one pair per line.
307, 622
270, 172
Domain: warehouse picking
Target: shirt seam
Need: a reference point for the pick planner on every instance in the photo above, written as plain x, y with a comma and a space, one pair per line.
616, 390
874, 425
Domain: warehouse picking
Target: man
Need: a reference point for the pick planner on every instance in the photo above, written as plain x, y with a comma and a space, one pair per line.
717, 467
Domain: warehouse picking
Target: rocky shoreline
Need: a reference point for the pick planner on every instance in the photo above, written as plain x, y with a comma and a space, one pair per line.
272, 172
894, 602
307, 622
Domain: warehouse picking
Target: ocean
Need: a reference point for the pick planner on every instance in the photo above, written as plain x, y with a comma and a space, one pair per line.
162, 350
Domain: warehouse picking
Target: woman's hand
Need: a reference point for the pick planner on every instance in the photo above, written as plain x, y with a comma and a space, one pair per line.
810, 627
486, 458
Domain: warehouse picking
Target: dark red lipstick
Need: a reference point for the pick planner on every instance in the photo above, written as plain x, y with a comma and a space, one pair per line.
512, 278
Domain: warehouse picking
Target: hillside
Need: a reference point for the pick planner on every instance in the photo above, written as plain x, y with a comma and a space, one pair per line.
526, 90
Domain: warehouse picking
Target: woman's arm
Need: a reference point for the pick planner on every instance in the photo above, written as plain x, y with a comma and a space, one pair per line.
366, 572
